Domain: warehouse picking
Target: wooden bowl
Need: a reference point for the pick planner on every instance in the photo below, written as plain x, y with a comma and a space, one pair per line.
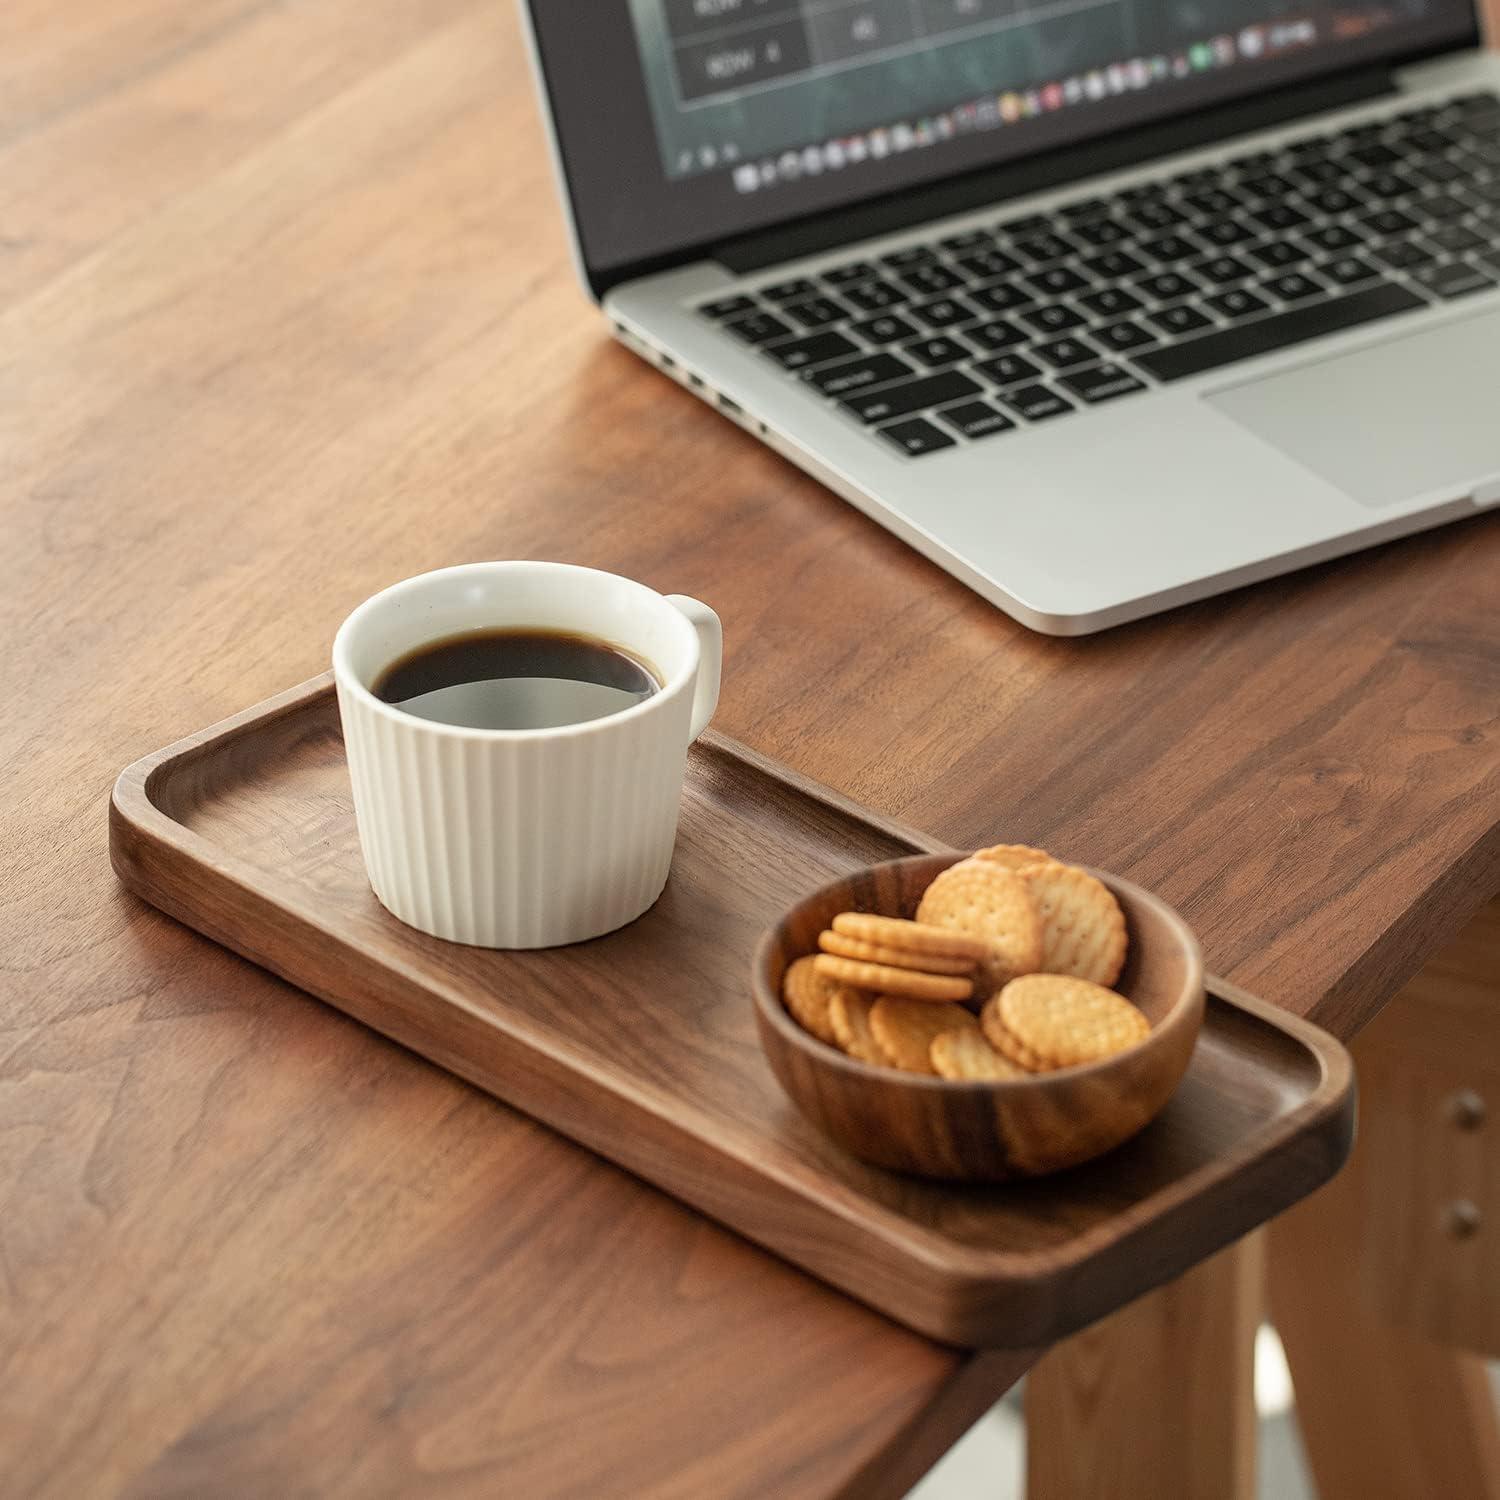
982, 1132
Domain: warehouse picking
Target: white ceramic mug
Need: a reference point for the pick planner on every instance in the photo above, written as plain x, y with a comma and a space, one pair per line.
523, 838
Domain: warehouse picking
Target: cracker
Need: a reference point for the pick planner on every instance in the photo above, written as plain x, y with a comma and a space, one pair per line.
807, 995
911, 937
897, 958
1083, 928
1016, 857
905, 1030
1007, 1044
967, 1056
987, 900
849, 1013
908, 983
1067, 1020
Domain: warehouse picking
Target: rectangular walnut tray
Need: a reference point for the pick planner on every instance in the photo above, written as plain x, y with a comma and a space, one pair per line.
642, 1046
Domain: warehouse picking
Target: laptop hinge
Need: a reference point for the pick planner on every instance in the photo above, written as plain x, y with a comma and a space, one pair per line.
991, 185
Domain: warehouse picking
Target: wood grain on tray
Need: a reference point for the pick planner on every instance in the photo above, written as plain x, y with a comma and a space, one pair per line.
642, 1044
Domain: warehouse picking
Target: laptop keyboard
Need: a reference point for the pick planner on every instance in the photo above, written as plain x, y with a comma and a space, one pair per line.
1040, 315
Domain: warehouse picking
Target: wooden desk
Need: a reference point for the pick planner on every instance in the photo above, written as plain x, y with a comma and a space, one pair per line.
285, 315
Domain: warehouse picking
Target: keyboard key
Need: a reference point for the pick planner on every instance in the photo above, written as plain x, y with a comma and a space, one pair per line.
1110, 302
914, 395
1113, 265
1101, 233
1193, 356
1388, 221
1036, 403
1223, 269
727, 307
1085, 208
1374, 156
945, 312
1294, 286
970, 239
936, 351
1279, 217
1336, 200
1168, 286
815, 312
1320, 172
1331, 238
1403, 256
1224, 233
1056, 282
997, 335
758, 328
1279, 254
1269, 187
1170, 248
1054, 318
913, 255
1479, 102
917, 437
976, 419
1043, 248
1063, 354
1387, 185
874, 296
1214, 203
885, 329
987, 264
855, 270
929, 280
1156, 216
1179, 319
1347, 270
1437, 171
1103, 383
786, 291
1026, 224
1445, 206
1008, 369
1454, 279
1252, 163
816, 349
1004, 296
1454, 239
856, 374
1238, 303
1124, 335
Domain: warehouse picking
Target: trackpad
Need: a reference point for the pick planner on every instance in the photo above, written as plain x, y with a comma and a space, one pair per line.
1390, 422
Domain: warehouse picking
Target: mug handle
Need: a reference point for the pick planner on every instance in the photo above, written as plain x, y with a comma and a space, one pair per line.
710, 659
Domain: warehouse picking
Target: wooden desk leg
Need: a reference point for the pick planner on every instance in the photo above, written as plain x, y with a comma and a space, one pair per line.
1370, 1289
1385, 1414
1156, 1402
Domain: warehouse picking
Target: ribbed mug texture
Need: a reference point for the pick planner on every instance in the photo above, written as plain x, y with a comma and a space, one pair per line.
521, 839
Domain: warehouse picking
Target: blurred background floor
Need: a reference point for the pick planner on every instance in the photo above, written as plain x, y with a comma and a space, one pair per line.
990, 1462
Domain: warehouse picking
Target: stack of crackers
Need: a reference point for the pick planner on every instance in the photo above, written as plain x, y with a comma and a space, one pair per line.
1004, 973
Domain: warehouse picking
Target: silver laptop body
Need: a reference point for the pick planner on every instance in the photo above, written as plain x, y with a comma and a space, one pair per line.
1099, 335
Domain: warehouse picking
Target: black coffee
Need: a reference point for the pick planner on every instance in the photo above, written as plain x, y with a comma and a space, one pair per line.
515, 679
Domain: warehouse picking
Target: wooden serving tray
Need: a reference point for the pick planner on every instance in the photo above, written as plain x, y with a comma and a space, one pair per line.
642, 1046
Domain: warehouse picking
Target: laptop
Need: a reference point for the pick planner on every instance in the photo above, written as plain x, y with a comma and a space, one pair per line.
1101, 305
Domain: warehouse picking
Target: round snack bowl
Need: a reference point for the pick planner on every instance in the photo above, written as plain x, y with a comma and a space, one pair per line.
985, 1131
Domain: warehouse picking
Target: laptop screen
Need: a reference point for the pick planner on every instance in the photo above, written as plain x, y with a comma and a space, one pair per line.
684, 122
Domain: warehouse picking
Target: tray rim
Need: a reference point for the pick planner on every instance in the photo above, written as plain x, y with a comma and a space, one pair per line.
135, 813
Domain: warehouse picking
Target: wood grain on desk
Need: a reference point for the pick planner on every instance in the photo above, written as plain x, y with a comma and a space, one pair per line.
285, 314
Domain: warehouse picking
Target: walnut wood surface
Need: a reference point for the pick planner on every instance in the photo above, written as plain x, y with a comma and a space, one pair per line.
272, 283
642, 1044
981, 1131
